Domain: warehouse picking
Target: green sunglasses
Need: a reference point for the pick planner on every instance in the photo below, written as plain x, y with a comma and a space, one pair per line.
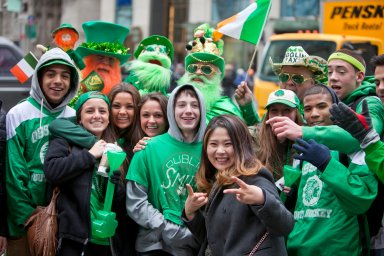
206, 69
296, 78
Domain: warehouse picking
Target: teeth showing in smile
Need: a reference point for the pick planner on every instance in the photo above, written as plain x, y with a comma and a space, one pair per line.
152, 127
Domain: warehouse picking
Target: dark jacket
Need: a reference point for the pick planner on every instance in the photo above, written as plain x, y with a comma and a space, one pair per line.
71, 168
233, 228
3, 204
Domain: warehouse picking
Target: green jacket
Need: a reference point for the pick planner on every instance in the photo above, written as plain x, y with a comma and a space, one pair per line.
224, 105
327, 207
337, 138
374, 157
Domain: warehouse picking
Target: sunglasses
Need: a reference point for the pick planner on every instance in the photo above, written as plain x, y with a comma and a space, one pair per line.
206, 69
296, 78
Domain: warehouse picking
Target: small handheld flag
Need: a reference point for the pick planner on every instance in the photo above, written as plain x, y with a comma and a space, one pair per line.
25, 67
247, 25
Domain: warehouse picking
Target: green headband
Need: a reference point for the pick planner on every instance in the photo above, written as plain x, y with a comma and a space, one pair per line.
90, 95
348, 58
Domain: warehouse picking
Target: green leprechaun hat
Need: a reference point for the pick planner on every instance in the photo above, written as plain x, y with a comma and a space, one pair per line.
104, 38
165, 46
204, 49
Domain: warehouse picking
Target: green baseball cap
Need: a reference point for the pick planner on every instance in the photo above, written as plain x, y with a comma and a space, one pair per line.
286, 97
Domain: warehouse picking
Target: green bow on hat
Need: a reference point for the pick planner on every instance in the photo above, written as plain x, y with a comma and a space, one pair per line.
156, 40
104, 38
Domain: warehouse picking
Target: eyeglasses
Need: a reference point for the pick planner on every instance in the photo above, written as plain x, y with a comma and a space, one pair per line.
206, 69
296, 78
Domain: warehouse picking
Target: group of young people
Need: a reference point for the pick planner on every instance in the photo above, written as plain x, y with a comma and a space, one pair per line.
202, 175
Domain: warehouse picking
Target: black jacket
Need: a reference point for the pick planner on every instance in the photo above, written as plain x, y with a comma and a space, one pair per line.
71, 168
233, 228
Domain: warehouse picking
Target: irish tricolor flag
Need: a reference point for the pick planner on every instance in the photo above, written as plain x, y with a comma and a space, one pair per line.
24, 68
248, 24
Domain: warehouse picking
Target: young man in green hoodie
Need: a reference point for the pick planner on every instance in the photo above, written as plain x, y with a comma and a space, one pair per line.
54, 83
332, 192
157, 178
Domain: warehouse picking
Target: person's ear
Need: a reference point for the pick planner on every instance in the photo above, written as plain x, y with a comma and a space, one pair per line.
360, 76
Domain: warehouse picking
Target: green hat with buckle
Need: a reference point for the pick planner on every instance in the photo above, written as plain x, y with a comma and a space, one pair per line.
104, 38
206, 51
156, 41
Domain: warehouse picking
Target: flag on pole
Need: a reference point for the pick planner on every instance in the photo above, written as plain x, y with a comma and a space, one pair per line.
24, 68
247, 25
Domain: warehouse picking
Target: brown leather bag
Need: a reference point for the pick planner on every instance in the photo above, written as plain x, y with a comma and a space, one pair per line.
42, 229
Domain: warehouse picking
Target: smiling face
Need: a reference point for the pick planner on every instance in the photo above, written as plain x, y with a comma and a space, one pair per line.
343, 78
94, 116
187, 114
220, 150
55, 83
152, 118
316, 109
123, 110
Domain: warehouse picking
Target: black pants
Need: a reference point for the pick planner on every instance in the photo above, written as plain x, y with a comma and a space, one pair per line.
72, 248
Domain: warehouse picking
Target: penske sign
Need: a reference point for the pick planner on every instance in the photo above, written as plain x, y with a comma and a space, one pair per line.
360, 18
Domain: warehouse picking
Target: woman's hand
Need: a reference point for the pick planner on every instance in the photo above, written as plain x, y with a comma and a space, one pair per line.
246, 194
98, 149
194, 202
141, 144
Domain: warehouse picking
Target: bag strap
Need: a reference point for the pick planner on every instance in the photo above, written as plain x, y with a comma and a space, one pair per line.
259, 243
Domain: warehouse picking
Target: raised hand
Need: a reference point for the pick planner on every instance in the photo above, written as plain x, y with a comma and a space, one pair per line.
358, 125
243, 94
316, 154
246, 194
98, 149
194, 202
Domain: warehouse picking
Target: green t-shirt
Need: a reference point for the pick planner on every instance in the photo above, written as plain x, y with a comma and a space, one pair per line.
164, 168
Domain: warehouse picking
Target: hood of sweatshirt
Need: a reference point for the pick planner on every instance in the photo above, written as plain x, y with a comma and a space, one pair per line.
36, 91
367, 88
174, 129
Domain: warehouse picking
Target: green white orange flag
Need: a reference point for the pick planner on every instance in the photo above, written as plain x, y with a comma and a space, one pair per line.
247, 25
24, 68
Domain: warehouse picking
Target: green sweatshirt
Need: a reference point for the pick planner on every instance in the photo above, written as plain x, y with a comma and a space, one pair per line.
27, 143
374, 157
337, 138
327, 207
224, 105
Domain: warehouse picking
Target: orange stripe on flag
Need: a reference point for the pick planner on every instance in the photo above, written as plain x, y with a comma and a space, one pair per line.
225, 22
217, 35
19, 74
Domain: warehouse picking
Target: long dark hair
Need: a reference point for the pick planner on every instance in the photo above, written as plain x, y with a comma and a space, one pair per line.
246, 162
132, 133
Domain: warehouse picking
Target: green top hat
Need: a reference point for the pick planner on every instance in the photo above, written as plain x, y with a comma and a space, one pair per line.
64, 25
155, 40
104, 38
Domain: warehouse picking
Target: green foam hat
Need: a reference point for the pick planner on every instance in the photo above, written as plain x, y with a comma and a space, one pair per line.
155, 40
104, 38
